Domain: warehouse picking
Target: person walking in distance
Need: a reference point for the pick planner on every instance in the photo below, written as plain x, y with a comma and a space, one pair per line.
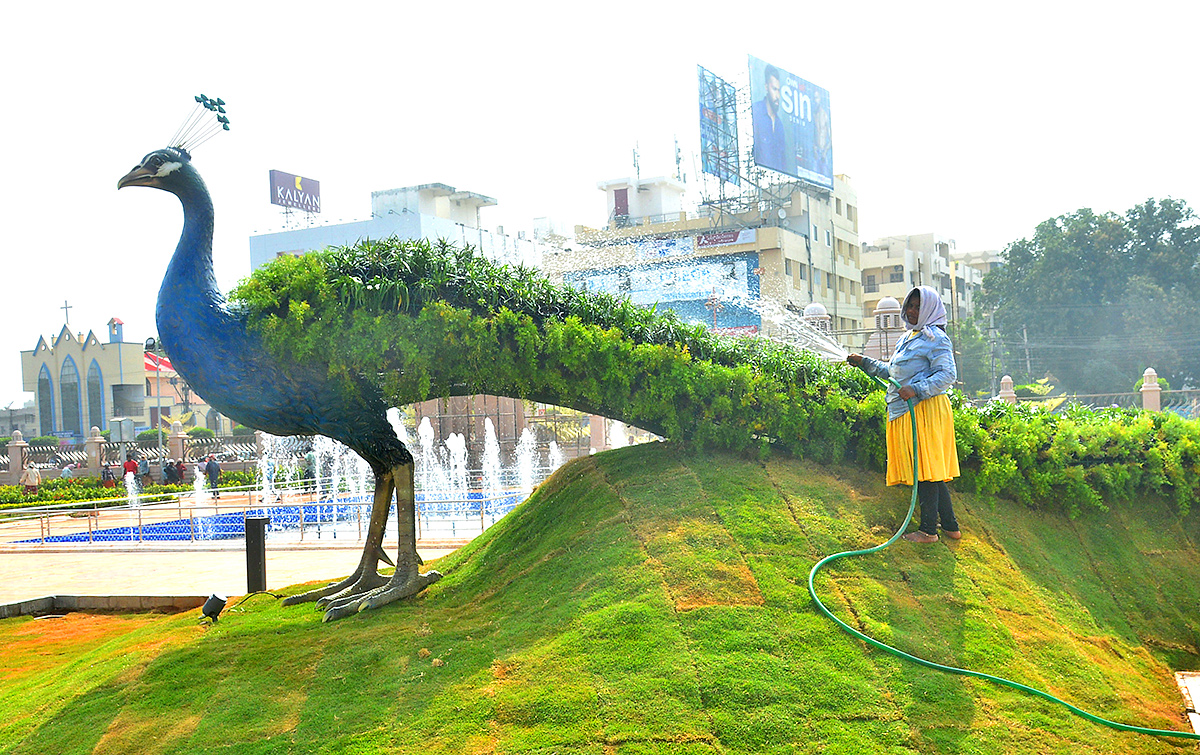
213, 470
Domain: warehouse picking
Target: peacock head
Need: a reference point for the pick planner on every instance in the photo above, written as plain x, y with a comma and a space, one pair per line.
170, 168
163, 169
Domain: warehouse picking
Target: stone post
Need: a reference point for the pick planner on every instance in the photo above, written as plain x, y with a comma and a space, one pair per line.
1151, 391
176, 442
94, 446
16, 457
1007, 394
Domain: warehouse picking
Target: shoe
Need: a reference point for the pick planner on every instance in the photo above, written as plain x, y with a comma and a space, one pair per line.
952, 534
920, 537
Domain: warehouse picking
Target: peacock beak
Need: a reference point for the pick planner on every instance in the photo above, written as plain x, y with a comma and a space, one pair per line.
139, 176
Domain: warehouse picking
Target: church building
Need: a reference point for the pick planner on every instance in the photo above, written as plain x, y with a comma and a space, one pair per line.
80, 382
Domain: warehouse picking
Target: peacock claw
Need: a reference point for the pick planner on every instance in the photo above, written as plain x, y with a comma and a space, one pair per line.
365, 583
383, 556
381, 596
355, 583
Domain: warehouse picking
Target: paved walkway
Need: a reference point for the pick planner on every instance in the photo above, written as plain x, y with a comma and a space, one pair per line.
30, 570
37, 571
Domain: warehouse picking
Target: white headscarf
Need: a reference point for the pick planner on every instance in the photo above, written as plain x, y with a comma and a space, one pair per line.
933, 311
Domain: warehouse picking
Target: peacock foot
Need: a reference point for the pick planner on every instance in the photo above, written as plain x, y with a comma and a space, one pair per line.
358, 582
398, 588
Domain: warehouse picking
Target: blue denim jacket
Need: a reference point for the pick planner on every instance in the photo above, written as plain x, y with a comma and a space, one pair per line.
927, 365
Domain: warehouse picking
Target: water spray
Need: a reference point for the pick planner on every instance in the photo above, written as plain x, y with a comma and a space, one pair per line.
953, 669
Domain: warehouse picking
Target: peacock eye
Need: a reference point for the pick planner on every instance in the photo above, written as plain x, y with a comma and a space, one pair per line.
155, 162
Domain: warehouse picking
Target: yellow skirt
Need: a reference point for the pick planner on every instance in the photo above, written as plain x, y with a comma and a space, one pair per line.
937, 455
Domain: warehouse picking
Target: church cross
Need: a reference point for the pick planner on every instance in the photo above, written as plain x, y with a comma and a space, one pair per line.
66, 314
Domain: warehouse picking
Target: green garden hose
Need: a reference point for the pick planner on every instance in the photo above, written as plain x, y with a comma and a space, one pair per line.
951, 669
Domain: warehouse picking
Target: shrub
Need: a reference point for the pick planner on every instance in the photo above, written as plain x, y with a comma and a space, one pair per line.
201, 432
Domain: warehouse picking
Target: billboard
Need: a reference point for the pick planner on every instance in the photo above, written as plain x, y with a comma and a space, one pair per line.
293, 191
790, 118
710, 291
718, 127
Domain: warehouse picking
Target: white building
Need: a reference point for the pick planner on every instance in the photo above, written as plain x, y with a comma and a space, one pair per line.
984, 261
893, 265
789, 244
428, 211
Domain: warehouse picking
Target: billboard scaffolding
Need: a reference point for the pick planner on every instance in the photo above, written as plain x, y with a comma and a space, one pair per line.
718, 127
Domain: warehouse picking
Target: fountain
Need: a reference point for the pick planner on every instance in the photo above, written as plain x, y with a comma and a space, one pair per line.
493, 482
617, 435
526, 448
132, 493
452, 499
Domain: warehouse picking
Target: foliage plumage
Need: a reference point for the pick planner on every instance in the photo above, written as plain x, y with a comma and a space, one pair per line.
430, 320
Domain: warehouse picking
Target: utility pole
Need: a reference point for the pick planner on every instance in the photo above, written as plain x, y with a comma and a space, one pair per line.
992, 347
808, 242
1025, 338
833, 265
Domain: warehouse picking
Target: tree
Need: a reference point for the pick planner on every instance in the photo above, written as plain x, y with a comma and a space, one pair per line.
971, 356
1095, 299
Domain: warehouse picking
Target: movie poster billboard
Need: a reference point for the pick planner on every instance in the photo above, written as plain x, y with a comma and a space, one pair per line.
718, 127
790, 119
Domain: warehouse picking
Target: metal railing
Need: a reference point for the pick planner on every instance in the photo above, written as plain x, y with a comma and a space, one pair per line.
293, 512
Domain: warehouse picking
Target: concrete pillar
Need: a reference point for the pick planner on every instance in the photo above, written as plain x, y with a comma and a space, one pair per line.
1151, 391
94, 446
599, 433
16, 458
1007, 393
176, 442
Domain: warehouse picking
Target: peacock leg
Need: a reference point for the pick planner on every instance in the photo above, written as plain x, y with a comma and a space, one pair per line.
366, 577
407, 580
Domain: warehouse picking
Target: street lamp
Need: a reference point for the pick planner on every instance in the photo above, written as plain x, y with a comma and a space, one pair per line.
153, 347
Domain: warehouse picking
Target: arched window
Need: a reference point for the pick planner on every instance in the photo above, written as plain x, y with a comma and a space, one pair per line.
95, 394
68, 391
45, 401
213, 421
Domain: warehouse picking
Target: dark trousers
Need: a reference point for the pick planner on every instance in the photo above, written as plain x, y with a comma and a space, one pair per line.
935, 503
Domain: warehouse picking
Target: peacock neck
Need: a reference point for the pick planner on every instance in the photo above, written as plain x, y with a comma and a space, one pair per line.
189, 298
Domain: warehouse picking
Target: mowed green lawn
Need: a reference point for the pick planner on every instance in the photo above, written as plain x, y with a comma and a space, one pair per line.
650, 600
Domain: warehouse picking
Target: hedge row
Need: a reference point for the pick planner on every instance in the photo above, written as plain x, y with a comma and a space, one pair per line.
55, 491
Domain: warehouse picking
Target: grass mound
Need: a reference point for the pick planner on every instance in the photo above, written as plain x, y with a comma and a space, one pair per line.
651, 601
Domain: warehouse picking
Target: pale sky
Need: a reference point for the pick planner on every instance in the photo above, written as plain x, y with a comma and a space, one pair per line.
975, 124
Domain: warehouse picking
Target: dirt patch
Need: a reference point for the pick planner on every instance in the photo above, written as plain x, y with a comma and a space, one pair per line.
136, 732
722, 585
39, 644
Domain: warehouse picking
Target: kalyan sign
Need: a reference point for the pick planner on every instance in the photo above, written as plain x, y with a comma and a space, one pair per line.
293, 191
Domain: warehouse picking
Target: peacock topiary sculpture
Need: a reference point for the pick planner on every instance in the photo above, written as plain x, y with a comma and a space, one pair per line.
324, 343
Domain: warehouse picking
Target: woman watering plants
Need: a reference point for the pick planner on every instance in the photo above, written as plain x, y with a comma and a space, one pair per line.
923, 366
